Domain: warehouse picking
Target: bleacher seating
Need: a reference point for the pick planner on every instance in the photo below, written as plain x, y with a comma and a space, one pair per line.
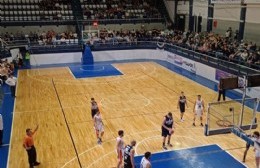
118, 10
33, 10
46, 10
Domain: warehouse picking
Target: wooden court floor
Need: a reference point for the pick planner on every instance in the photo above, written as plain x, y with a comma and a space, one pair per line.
135, 102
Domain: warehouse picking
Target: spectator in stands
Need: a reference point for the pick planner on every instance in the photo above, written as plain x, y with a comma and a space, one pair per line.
3, 71
11, 81
20, 59
27, 58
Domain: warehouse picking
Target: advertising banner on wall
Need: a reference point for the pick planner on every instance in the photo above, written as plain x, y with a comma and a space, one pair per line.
226, 1
252, 1
252, 92
222, 74
181, 62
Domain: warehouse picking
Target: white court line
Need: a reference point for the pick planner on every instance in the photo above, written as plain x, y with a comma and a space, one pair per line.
11, 137
148, 102
65, 82
117, 69
90, 149
181, 148
232, 156
101, 69
152, 137
100, 158
4, 145
34, 111
142, 66
71, 72
171, 139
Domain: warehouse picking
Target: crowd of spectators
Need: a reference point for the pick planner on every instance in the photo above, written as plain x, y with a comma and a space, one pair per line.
226, 46
52, 4
6, 69
123, 9
45, 37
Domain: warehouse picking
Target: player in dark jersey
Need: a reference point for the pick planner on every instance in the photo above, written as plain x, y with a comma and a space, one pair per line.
94, 107
167, 129
245, 152
182, 102
129, 153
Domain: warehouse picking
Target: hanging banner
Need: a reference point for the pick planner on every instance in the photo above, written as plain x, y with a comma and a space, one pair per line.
226, 1
252, 1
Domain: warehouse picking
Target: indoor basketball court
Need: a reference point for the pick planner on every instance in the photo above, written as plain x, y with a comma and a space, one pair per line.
132, 96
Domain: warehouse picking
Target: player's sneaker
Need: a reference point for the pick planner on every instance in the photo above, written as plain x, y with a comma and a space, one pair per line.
170, 145
164, 147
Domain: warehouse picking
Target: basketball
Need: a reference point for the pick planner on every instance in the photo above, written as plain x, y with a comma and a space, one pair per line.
171, 131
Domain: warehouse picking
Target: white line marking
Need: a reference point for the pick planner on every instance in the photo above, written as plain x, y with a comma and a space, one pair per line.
232, 156
76, 82
117, 69
86, 151
101, 69
100, 158
152, 137
71, 72
9, 150
174, 136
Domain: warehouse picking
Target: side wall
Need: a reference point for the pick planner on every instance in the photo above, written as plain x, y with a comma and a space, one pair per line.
226, 15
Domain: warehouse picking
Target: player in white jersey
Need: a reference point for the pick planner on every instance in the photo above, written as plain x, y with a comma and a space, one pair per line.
120, 148
145, 162
99, 127
198, 109
256, 137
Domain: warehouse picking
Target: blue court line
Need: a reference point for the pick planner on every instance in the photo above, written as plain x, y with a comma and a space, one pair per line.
210, 156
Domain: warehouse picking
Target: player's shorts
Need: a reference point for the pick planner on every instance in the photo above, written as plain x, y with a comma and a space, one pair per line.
100, 128
121, 154
198, 113
165, 132
93, 112
182, 109
129, 165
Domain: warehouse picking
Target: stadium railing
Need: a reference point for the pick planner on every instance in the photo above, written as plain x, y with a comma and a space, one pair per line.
211, 59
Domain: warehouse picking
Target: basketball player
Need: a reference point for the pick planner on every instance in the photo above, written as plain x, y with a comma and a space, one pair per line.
167, 129
98, 124
181, 105
198, 109
94, 107
247, 147
120, 148
221, 91
129, 155
245, 152
256, 135
145, 162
